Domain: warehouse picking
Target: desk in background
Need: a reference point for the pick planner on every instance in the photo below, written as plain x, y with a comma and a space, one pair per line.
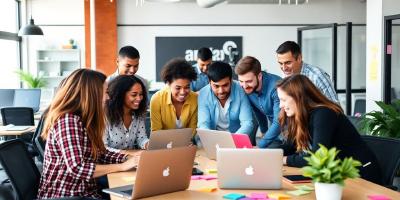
354, 189
16, 133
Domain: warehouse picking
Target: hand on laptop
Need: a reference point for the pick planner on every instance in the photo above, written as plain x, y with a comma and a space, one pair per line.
131, 163
132, 152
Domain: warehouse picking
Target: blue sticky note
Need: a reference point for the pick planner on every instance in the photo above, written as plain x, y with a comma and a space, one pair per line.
234, 196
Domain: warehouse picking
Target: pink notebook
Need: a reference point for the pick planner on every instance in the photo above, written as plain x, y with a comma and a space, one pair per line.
242, 141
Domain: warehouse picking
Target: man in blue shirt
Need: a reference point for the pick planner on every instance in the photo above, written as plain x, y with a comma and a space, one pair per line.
223, 104
290, 60
204, 59
261, 92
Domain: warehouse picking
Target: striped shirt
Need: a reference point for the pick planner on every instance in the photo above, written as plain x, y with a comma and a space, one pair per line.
321, 80
68, 165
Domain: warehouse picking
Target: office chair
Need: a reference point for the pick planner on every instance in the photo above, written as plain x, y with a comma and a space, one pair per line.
38, 143
359, 106
22, 172
387, 151
19, 116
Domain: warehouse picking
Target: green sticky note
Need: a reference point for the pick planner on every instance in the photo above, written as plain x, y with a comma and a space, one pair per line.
298, 192
234, 196
304, 187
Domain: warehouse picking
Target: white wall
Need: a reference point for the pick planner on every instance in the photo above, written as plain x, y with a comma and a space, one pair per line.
61, 20
140, 25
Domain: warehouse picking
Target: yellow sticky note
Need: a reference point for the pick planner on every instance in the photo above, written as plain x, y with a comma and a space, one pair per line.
208, 189
279, 196
128, 178
211, 171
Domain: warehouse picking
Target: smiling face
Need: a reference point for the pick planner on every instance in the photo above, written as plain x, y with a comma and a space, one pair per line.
180, 89
133, 97
289, 64
127, 66
286, 103
222, 88
250, 82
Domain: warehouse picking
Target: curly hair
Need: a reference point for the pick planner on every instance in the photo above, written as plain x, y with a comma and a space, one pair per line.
177, 68
117, 90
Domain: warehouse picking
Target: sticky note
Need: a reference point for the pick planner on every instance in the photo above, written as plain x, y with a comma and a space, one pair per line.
128, 178
234, 196
208, 189
195, 177
279, 196
304, 187
211, 171
298, 192
378, 197
258, 195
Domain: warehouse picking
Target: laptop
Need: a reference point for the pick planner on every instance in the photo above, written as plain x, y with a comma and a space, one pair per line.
242, 141
212, 139
249, 168
170, 138
27, 98
159, 172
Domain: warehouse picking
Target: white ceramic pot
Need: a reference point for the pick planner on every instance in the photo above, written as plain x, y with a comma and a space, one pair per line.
328, 191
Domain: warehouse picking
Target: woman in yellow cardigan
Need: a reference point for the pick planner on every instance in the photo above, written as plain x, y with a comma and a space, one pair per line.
175, 106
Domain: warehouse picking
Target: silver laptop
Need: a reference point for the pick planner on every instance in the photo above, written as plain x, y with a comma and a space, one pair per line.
250, 168
27, 98
212, 139
170, 138
159, 172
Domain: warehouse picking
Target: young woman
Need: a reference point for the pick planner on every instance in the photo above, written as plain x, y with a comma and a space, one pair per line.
309, 119
175, 106
75, 153
126, 109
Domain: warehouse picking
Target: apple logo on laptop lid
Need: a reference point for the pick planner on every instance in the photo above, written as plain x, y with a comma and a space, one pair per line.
165, 172
169, 145
249, 170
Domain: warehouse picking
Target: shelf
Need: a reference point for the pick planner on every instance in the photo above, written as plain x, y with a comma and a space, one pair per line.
57, 61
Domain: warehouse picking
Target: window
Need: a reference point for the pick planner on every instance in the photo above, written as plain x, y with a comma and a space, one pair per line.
9, 44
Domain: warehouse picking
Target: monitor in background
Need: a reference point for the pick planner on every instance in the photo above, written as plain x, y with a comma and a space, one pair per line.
6, 97
27, 98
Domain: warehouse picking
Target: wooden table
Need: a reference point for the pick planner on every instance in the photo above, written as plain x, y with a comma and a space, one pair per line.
16, 133
355, 189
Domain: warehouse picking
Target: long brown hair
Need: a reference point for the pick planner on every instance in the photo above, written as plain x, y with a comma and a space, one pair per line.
307, 97
82, 95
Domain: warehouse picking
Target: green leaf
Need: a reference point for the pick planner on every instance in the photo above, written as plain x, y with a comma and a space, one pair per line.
30, 80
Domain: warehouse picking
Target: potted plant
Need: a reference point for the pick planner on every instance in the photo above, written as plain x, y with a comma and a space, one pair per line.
328, 172
385, 123
30, 80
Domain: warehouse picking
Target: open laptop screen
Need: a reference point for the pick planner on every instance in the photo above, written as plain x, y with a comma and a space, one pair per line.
6, 97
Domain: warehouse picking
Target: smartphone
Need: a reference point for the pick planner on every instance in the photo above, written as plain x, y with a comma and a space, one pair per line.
196, 171
297, 179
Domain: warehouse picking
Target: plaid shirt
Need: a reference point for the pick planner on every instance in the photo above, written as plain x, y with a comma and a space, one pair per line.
320, 79
68, 163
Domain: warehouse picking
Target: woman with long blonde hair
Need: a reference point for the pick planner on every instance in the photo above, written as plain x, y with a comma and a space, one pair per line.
75, 154
309, 119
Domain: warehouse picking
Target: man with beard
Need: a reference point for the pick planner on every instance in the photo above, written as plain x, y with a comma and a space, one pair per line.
223, 105
204, 59
261, 92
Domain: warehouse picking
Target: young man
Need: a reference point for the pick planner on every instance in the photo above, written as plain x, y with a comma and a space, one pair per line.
290, 60
204, 59
128, 64
261, 92
223, 105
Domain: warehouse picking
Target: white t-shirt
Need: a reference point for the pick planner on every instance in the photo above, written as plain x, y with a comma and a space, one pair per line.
223, 117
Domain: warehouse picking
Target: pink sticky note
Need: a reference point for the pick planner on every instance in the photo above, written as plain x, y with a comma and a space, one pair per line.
196, 177
378, 197
389, 49
208, 177
258, 195
247, 198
